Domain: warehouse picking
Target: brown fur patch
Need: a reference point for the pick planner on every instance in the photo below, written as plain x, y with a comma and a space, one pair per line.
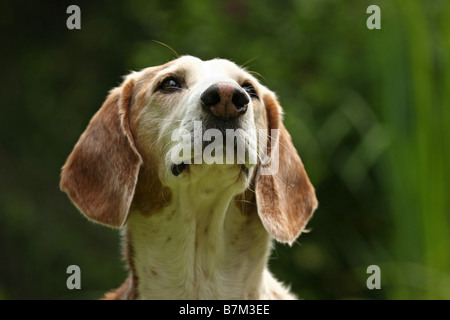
287, 199
100, 174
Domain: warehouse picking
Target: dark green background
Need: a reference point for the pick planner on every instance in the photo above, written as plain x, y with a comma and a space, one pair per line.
369, 112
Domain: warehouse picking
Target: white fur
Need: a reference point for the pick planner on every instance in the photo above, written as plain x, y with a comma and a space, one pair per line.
202, 246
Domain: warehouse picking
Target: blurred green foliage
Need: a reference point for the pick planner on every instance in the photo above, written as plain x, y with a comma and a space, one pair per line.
369, 112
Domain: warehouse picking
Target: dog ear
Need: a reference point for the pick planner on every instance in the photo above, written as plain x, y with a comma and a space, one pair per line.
285, 197
100, 175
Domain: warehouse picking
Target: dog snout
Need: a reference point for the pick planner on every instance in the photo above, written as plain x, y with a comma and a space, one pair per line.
225, 101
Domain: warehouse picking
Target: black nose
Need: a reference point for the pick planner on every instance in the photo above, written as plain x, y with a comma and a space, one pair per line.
225, 100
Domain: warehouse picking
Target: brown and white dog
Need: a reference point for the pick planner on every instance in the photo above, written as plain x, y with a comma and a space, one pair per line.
191, 229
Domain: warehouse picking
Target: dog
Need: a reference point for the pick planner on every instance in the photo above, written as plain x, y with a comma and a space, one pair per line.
192, 228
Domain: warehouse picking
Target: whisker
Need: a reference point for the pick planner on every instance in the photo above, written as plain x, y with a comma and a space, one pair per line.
244, 201
256, 74
167, 46
281, 180
188, 128
256, 150
167, 119
261, 160
248, 61
160, 138
252, 190
267, 135
165, 146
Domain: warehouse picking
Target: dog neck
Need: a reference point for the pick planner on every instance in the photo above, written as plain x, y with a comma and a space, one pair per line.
206, 243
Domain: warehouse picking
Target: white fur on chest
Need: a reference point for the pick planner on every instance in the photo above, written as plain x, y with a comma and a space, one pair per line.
201, 246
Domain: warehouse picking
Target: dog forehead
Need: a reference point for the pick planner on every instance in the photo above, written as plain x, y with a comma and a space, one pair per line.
196, 67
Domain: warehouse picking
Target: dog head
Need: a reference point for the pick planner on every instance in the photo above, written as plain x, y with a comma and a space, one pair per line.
169, 124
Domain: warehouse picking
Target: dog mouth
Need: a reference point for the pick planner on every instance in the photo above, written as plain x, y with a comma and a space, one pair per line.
178, 169
214, 143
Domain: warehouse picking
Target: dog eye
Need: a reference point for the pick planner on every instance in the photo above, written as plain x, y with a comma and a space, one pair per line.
170, 85
250, 90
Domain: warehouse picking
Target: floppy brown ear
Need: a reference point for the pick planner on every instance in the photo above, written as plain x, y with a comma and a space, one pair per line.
100, 174
285, 198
